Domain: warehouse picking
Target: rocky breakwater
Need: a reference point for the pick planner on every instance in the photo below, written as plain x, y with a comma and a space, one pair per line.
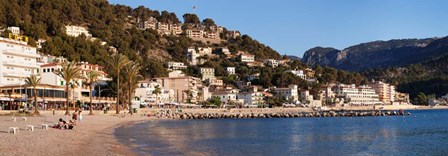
224, 115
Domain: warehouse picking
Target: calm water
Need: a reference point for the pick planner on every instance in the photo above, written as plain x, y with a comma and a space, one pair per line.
425, 132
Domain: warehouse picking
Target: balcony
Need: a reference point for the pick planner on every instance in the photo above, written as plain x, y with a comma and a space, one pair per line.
24, 53
21, 64
16, 74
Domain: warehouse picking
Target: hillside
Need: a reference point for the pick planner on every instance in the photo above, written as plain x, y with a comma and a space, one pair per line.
116, 25
377, 54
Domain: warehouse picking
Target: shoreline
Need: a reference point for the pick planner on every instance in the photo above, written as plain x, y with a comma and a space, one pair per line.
95, 134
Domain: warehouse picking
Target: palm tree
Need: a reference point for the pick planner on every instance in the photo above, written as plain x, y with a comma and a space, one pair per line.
33, 81
92, 78
69, 72
73, 86
117, 62
157, 91
132, 76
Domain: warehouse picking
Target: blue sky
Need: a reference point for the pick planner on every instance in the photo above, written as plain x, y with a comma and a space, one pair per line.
294, 26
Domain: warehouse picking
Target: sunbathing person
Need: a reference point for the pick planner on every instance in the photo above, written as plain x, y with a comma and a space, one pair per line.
61, 124
71, 125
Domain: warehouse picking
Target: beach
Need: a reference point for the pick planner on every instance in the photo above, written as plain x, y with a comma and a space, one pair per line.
94, 135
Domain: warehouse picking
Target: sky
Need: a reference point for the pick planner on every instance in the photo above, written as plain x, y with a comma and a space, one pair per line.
293, 26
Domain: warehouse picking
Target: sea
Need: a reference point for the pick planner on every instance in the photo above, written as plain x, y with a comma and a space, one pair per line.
425, 132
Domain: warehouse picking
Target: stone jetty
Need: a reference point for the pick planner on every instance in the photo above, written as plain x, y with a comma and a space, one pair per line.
225, 115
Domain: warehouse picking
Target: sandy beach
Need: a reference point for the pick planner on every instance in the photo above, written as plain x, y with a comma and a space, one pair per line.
94, 134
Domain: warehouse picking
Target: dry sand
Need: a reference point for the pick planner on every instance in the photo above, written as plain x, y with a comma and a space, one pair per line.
92, 136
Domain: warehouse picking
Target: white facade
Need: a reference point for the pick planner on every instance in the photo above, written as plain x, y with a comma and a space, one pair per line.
227, 96
75, 31
290, 93
298, 73
207, 73
193, 54
251, 98
362, 95
247, 58
147, 95
17, 61
194, 33
271, 62
231, 70
176, 65
14, 30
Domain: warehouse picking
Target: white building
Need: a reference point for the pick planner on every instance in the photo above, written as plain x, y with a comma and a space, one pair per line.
231, 70
271, 63
289, 93
251, 97
75, 31
193, 54
176, 66
363, 95
207, 73
195, 33
146, 93
226, 96
298, 73
233, 34
17, 61
247, 58
151, 23
14, 30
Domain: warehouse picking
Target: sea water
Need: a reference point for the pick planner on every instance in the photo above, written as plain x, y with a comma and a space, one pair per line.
425, 132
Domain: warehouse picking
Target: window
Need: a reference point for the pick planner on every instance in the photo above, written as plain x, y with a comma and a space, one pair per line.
44, 70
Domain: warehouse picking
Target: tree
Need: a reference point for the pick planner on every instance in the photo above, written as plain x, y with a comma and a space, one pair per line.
421, 99
33, 81
69, 73
92, 78
157, 91
216, 101
132, 76
117, 62
191, 19
208, 22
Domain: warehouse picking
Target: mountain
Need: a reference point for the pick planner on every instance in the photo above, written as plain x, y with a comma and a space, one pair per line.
292, 57
377, 54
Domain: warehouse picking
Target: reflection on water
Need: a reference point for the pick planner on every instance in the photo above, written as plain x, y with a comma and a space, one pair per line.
423, 133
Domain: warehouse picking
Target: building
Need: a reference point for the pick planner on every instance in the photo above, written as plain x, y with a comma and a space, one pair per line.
17, 61
363, 95
148, 95
163, 28
247, 58
252, 97
185, 89
176, 73
230, 70
309, 73
227, 95
195, 33
207, 73
75, 31
233, 34
193, 55
176, 66
176, 29
298, 73
213, 35
288, 93
14, 30
253, 77
386, 92
402, 98
271, 63
214, 82
151, 23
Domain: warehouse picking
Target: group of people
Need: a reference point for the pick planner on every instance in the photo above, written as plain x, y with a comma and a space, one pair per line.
76, 116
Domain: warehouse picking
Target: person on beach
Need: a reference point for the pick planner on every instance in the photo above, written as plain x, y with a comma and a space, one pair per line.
70, 125
75, 117
61, 124
80, 115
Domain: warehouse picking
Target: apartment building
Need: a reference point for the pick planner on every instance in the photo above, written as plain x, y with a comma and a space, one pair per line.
176, 65
17, 61
193, 54
207, 73
271, 63
146, 93
230, 70
75, 31
14, 30
185, 88
195, 33
226, 95
233, 34
251, 97
288, 93
151, 23
362, 95
298, 73
247, 58
386, 92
